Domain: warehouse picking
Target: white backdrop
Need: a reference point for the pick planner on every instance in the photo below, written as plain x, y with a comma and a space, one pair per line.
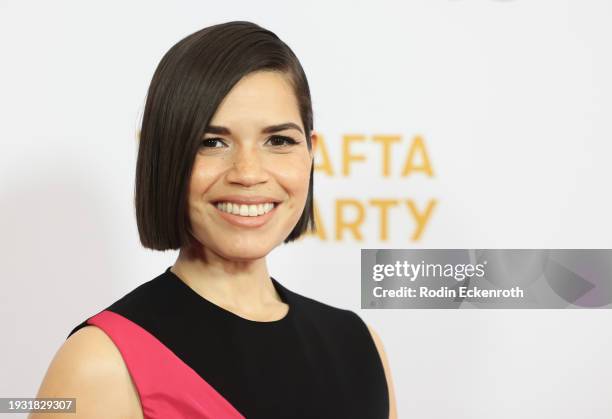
512, 100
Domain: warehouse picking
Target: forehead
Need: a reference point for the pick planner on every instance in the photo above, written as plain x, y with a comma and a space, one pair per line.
260, 98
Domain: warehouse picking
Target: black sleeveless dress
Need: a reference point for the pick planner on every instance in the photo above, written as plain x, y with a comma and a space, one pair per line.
190, 358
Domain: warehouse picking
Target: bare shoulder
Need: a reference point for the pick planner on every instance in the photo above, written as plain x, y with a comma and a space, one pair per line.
383, 357
89, 367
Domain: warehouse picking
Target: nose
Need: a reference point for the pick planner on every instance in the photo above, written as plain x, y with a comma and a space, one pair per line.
248, 167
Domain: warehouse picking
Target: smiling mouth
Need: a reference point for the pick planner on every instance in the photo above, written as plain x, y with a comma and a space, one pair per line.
262, 216
245, 210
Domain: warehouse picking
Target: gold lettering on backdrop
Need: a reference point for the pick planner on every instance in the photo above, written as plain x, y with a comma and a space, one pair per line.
353, 225
325, 165
347, 157
384, 205
386, 141
320, 233
417, 159
420, 218
417, 148
350, 214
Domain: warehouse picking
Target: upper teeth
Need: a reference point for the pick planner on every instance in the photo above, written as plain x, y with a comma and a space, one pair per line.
252, 210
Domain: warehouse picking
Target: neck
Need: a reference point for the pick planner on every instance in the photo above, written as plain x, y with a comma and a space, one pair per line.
244, 286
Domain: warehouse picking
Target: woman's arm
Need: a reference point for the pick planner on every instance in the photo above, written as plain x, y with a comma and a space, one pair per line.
383, 357
89, 367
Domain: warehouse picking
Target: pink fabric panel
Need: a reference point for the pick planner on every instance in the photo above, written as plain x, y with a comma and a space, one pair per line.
168, 388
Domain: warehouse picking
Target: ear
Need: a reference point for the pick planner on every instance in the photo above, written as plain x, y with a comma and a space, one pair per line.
314, 141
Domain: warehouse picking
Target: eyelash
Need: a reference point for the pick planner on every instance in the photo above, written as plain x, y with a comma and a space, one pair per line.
290, 141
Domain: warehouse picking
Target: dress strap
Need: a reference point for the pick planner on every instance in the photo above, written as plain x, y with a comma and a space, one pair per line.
167, 386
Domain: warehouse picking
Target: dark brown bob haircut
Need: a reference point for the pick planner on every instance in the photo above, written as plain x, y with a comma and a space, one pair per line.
188, 85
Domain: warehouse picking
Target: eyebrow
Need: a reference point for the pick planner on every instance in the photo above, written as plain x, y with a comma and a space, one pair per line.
216, 129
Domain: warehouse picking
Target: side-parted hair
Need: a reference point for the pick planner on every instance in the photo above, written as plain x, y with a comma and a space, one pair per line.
188, 85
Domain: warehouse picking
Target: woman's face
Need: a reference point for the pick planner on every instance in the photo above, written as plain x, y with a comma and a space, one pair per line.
243, 156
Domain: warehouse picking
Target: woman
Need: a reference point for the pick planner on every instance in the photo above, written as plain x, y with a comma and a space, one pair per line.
225, 174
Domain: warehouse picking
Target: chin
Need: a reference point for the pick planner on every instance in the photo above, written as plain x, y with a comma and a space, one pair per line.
245, 249
246, 254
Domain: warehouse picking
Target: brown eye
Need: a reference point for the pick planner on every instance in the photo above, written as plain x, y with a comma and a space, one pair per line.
281, 141
211, 142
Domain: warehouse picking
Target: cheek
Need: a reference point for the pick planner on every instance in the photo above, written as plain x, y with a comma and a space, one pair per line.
202, 178
294, 176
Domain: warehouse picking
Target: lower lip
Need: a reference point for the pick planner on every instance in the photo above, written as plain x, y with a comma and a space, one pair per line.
245, 221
